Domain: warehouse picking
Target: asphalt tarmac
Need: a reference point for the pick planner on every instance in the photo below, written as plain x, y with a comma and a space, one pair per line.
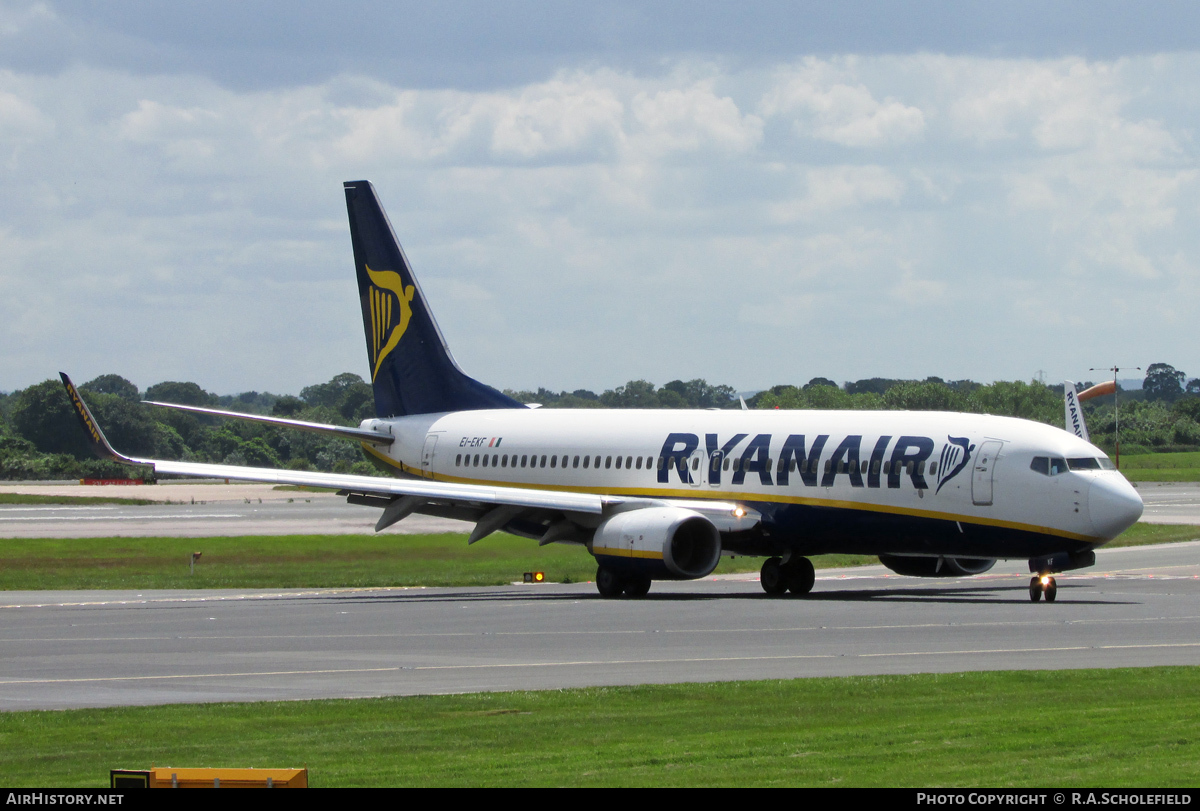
192, 510
205, 510
1138, 606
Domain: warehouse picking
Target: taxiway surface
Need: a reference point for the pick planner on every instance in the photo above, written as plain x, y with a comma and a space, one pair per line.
1138, 606
196, 510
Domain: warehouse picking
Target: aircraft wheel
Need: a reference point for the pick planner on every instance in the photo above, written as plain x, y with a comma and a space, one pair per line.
1051, 590
638, 586
1035, 589
800, 576
609, 583
771, 577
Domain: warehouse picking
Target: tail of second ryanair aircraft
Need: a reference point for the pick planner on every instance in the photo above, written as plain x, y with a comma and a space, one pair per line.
412, 370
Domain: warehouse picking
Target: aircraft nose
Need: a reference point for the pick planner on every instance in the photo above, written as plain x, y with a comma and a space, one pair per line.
1113, 505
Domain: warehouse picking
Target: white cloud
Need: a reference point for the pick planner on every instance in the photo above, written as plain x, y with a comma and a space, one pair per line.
823, 106
582, 219
831, 188
1061, 105
693, 118
557, 116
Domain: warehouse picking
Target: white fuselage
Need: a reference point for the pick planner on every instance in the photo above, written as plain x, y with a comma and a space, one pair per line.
948, 483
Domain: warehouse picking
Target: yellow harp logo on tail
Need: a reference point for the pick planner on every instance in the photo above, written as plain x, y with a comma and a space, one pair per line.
391, 310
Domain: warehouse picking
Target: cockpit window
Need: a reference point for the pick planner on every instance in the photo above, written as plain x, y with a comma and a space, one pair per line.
1090, 463
1048, 465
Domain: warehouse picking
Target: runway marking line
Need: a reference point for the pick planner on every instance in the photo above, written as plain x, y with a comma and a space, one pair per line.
591, 663
1130, 575
4, 518
704, 631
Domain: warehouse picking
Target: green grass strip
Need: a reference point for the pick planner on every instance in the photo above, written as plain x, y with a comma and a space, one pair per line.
302, 561
285, 561
1162, 467
1190, 474
1076, 728
1161, 461
332, 561
1145, 534
83, 501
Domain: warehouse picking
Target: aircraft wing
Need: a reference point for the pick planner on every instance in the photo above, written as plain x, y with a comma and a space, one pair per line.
490, 507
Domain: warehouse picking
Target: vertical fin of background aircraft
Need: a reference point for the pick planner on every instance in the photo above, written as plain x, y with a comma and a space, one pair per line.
1074, 414
412, 370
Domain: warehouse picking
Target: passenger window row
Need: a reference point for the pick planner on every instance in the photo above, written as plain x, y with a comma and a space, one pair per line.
553, 461
648, 463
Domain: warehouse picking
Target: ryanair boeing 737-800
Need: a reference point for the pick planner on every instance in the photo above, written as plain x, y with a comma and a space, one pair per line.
663, 494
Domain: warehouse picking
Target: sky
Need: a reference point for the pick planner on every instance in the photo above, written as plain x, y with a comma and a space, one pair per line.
753, 194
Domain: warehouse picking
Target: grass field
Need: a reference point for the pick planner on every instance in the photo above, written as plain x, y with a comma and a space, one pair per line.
328, 561
1023, 729
1161, 467
303, 561
82, 501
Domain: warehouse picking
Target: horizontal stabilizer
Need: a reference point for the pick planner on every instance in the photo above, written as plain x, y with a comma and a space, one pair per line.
360, 434
466, 494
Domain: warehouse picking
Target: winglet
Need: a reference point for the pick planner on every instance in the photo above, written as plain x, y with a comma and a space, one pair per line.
96, 438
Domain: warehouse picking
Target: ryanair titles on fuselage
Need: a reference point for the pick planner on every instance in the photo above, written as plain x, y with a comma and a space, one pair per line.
767, 459
863, 465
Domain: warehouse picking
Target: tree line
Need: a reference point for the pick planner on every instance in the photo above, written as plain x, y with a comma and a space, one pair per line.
40, 437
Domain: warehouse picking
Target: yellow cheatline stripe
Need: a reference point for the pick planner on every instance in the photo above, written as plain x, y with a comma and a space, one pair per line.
626, 553
724, 495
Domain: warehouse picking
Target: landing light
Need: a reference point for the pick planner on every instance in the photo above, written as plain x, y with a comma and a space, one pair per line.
1046, 579
738, 512
535, 577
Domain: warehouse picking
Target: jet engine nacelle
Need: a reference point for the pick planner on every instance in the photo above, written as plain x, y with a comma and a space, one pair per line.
936, 566
659, 542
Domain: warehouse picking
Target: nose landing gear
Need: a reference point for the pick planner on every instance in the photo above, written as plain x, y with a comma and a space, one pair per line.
1043, 585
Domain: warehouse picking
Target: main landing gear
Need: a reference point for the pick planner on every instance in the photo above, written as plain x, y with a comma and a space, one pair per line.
796, 576
1043, 585
612, 584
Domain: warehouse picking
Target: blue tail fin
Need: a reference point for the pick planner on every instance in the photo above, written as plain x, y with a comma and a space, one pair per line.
412, 370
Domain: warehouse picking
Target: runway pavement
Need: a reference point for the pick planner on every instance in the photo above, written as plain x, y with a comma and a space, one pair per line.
191, 510
206, 510
1138, 606
1170, 502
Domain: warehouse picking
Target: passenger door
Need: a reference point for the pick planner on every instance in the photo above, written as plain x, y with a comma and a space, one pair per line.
427, 456
982, 476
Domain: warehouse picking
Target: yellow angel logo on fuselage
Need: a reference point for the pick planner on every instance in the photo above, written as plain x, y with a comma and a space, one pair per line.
385, 336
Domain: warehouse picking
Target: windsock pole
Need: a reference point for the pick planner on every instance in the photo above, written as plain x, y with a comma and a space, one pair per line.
1116, 406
